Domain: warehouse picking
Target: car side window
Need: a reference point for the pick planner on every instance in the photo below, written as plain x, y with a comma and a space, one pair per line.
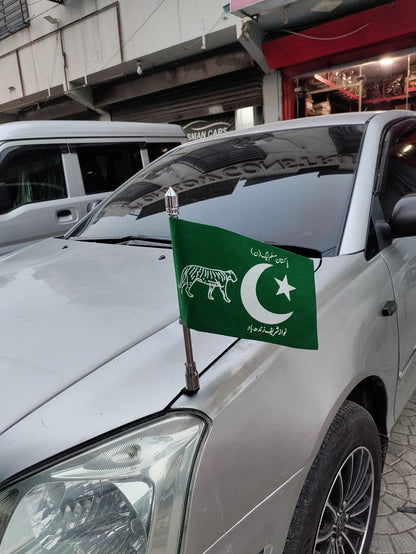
31, 174
106, 166
400, 176
397, 178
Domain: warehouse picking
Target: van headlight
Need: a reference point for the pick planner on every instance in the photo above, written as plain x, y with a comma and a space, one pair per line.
126, 495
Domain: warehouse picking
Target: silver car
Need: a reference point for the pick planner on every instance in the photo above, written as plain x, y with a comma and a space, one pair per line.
103, 448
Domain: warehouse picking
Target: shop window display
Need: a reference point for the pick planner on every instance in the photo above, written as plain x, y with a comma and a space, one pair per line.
389, 83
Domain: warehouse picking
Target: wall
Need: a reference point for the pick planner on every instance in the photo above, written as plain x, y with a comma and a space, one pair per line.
96, 40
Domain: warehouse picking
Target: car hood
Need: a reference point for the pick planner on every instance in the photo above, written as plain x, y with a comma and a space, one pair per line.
68, 308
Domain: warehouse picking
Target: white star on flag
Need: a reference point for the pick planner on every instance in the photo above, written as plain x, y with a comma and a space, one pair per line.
284, 287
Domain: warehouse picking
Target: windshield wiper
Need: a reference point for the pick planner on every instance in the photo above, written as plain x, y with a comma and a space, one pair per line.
130, 240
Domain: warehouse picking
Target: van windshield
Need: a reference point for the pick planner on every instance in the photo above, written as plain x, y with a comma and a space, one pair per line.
280, 187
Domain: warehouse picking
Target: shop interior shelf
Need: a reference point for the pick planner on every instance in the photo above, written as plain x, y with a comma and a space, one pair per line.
389, 98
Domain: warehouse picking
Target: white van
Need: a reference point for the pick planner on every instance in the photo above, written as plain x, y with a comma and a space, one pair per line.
53, 172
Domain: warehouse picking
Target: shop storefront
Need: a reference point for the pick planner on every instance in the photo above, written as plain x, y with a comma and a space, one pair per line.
385, 84
366, 61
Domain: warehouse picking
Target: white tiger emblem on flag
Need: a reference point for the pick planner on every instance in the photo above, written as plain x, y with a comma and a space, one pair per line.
213, 278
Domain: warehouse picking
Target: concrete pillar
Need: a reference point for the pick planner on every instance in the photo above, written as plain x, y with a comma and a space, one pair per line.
272, 97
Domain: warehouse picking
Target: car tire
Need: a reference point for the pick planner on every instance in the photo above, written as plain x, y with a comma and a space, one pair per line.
337, 508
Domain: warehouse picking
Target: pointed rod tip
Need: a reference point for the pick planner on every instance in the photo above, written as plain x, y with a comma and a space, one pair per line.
171, 192
171, 203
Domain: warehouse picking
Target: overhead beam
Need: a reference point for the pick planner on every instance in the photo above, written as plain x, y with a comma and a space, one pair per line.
251, 37
83, 95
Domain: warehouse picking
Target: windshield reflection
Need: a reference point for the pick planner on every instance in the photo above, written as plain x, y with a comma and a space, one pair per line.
287, 187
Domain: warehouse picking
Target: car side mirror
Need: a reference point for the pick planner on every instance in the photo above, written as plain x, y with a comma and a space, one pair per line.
6, 202
403, 218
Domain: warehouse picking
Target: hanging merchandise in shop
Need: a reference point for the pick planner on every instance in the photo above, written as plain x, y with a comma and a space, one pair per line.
389, 83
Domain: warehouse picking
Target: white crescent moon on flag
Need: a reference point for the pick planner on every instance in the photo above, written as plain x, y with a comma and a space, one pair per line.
251, 302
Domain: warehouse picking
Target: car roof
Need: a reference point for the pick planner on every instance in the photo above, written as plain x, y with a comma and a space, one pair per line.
350, 118
21, 130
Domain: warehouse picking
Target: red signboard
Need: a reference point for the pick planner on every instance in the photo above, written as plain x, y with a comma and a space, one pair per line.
375, 32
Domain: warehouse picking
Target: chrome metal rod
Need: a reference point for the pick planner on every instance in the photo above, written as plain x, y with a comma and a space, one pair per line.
191, 373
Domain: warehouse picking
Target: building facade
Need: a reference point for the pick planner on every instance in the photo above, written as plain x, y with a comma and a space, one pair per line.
160, 61
205, 64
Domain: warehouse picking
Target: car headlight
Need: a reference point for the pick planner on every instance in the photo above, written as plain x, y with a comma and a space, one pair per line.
126, 495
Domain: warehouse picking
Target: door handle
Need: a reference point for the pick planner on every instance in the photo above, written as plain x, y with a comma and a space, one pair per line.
389, 308
66, 215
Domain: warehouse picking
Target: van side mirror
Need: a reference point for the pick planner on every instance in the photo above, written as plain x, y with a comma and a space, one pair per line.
6, 202
403, 218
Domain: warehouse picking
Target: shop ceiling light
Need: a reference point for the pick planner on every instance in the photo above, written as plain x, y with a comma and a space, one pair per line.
386, 61
326, 5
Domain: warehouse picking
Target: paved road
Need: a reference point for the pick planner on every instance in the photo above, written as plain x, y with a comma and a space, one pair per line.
396, 531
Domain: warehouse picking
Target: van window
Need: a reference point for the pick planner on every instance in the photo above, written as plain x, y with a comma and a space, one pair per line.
156, 149
32, 174
106, 166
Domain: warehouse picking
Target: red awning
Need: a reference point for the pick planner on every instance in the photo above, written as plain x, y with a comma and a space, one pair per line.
382, 30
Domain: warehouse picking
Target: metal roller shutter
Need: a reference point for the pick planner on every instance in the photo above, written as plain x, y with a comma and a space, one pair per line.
219, 94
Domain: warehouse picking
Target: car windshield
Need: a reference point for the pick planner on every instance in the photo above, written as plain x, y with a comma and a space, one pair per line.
288, 187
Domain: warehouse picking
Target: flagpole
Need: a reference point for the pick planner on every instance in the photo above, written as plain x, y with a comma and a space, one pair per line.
191, 373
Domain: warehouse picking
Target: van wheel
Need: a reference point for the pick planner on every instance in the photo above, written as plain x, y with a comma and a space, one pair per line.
337, 507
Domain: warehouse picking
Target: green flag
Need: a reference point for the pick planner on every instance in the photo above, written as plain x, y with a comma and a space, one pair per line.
233, 285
